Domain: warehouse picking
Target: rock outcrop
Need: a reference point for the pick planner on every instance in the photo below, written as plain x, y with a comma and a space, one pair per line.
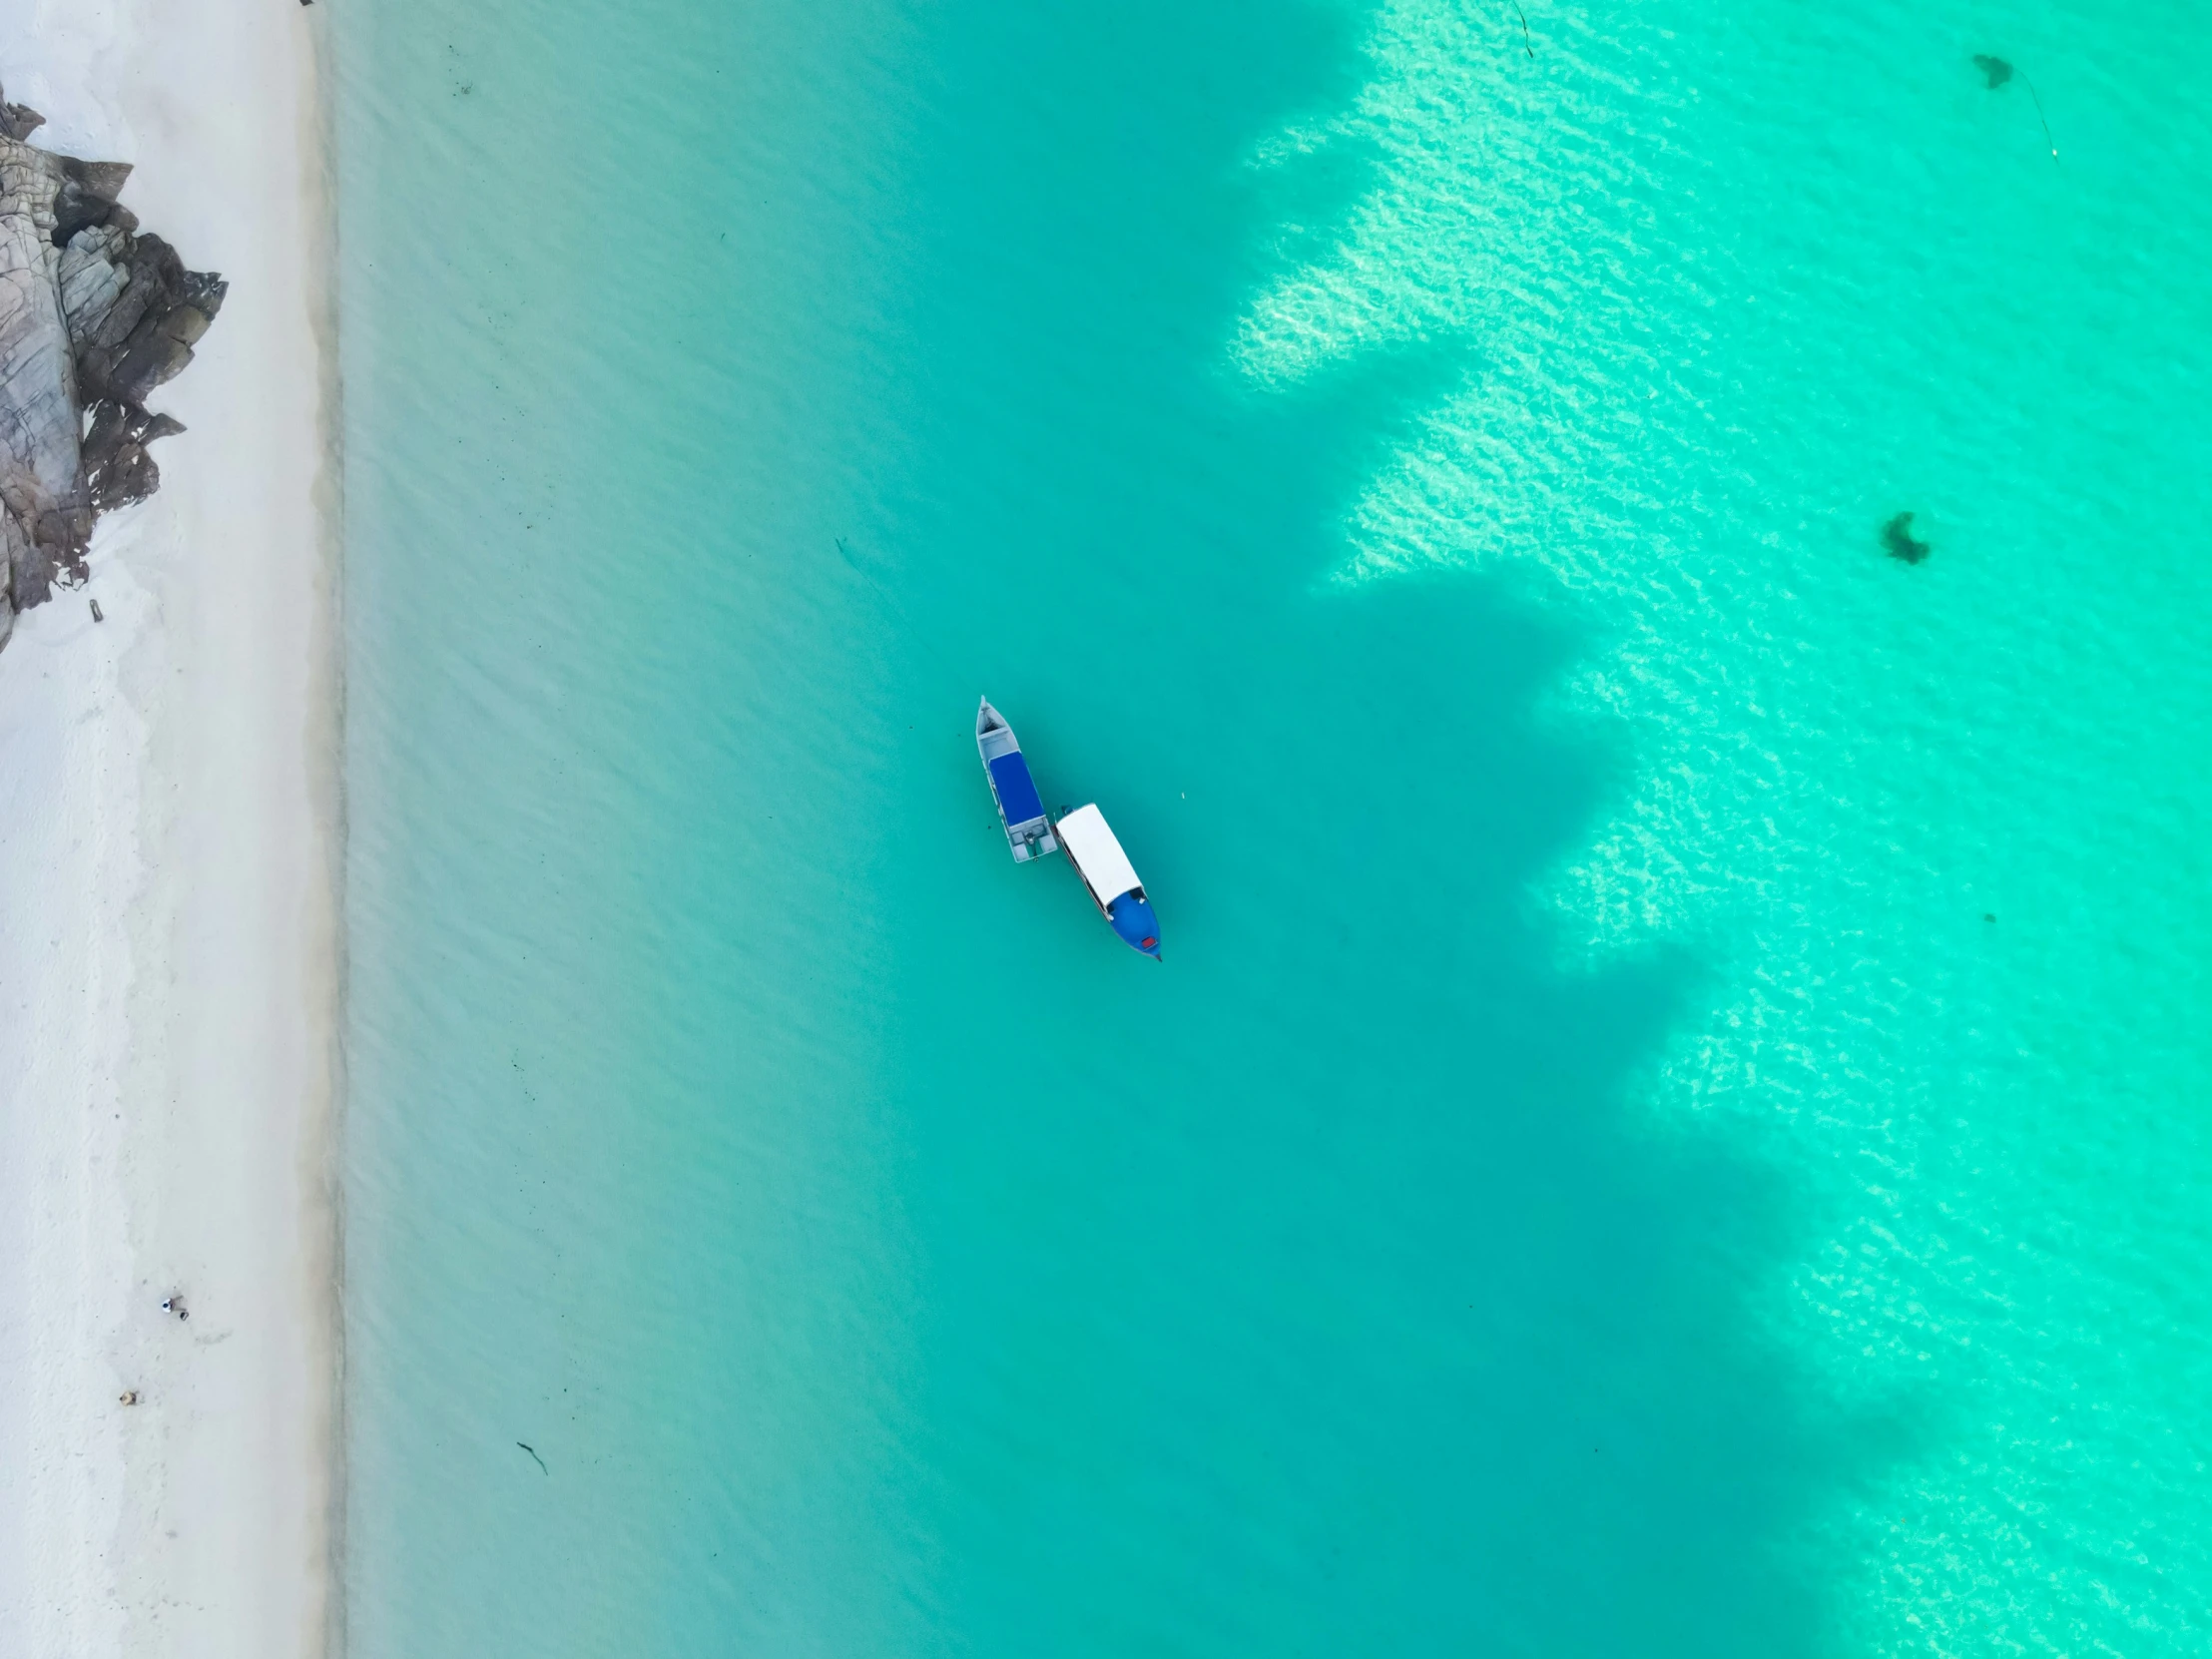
94, 316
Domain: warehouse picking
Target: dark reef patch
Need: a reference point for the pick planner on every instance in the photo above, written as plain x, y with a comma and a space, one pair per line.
1898, 540
1996, 69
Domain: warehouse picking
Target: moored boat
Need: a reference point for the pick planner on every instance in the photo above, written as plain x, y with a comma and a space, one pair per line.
1097, 856
1020, 808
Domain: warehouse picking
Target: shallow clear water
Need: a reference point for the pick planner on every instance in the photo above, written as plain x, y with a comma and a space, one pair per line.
1589, 1177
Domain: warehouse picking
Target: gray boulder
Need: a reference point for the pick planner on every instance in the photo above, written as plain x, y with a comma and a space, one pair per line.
94, 316
42, 479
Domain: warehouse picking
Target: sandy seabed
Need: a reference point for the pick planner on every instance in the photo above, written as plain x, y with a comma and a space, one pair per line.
170, 829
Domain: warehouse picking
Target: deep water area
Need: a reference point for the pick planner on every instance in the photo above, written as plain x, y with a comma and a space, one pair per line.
1587, 1179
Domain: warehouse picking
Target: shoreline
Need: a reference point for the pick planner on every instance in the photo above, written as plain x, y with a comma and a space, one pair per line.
170, 834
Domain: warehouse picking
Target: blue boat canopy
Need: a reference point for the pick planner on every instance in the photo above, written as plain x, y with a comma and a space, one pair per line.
1018, 795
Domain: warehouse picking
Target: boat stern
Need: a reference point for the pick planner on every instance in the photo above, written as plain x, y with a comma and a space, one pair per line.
1132, 918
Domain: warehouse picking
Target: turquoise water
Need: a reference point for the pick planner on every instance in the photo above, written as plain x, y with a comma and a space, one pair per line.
1591, 1177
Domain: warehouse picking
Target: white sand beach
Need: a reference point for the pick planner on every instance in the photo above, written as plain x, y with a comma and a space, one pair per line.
169, 837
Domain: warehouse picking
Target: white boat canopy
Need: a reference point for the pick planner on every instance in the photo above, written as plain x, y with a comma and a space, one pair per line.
1106, 869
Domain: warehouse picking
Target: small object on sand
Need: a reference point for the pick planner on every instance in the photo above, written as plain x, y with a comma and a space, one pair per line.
534, 1458
175, 1304
129, 1397
1899, 542
96, 616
